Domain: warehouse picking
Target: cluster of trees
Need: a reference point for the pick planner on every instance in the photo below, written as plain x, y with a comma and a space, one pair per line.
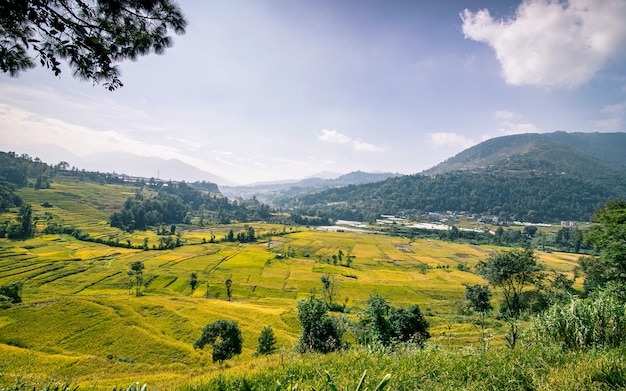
11, 293
225, 337
22, 228
178, 203
593, 318
379, 323
523, 195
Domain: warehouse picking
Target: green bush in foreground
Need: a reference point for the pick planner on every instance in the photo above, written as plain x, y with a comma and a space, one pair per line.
596, 322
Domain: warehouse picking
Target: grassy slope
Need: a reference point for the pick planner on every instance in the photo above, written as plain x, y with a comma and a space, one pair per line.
79, 321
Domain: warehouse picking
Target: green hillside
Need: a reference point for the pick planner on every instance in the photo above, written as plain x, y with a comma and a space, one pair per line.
530, 177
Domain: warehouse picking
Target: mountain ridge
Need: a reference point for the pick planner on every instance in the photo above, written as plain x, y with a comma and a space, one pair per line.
528, 177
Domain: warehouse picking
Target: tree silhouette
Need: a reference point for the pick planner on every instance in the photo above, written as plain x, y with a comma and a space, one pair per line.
90, 35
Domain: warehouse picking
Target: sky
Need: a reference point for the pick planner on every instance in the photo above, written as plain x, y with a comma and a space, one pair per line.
269, 90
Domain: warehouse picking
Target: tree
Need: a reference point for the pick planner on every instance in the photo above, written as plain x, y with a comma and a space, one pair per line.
225, 337
409, 325
320, 331
267, 342
136, 270
229, 291
193, 282
91, 35
375, 321
386, 324
25, 221
512, 271
329, 288
479, 298
12, 292
609, 239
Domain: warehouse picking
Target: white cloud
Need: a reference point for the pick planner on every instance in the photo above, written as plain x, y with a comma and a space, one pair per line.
21, 127
504, 115
510, 123
332, 136
614, 116
450, 139
552, 43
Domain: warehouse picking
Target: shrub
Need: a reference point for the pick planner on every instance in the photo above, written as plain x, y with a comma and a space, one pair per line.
599, 321
320, 331
224, 336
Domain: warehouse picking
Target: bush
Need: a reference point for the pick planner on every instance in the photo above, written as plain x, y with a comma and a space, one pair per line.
599, 321
320, 331
12, 292
224, 336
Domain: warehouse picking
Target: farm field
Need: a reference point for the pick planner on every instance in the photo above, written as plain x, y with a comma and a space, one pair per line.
80, 320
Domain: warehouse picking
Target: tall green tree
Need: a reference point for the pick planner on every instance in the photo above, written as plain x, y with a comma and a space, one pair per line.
329, 288
91, 35
267, 342
512, 271
608, 237
24, 228
193, 282
479, 299
136, 271
225, 337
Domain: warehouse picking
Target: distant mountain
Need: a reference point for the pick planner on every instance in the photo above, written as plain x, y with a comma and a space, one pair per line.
529, 177
149, 167
270, 192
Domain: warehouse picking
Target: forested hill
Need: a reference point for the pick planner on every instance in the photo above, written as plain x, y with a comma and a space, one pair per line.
565, 148
530, 177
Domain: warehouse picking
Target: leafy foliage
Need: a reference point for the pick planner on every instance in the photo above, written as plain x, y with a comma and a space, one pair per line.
176, 203
320, 332
136, 271
512, 271
12, 291
267, 342
90, 35
595, 322
225, 337
386, 324
609, 239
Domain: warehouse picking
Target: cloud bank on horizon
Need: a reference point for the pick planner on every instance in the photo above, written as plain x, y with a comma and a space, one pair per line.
272, 91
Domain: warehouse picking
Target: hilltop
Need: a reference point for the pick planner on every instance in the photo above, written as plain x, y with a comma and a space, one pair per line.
528, 177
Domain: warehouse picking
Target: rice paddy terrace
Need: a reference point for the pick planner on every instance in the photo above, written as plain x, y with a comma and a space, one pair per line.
81, 321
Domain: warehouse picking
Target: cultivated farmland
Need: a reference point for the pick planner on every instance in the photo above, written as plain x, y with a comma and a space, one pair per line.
80, 320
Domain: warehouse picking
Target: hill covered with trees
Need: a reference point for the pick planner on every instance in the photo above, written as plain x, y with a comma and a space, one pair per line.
530, 177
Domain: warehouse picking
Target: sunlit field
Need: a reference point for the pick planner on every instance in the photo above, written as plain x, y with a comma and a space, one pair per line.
81, 321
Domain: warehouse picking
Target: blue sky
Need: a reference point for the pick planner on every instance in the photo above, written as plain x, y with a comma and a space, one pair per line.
271, 90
